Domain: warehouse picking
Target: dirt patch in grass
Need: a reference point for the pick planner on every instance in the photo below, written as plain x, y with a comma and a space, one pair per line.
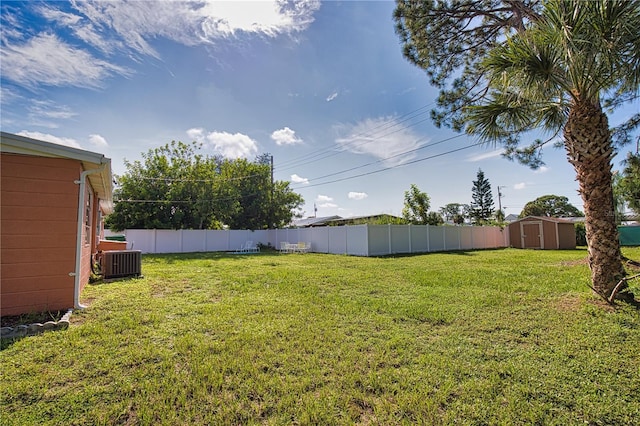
573, 302
569, 303
578, 262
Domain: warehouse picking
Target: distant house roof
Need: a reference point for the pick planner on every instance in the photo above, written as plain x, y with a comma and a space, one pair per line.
550, 219
511, 218
363, 219
101, 182
337, 220
574, 219
313, 221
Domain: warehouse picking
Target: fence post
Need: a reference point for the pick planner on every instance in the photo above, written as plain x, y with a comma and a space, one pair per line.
444, 238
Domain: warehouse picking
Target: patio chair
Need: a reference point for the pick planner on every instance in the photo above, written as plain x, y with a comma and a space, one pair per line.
303, 247
250, 247
284, 247
247, 247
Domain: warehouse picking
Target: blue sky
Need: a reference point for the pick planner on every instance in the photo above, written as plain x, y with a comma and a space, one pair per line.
323, 87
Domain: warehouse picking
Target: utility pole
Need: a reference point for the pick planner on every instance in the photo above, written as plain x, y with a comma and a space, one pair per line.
272, 174
500, 198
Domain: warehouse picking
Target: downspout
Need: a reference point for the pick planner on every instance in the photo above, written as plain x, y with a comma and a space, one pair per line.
81, 200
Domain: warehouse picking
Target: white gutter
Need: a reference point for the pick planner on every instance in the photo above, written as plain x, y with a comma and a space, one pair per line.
81, 200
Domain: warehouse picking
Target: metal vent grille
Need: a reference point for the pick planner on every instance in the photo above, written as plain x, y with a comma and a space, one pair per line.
121, 263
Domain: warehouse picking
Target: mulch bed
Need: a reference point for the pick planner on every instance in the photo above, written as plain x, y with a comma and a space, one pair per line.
26, 319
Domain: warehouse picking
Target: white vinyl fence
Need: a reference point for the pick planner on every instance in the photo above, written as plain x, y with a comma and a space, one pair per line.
358, 240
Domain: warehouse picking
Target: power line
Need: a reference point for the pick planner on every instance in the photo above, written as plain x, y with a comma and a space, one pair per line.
391, 157
189, 201
331, 154
306, 159
393, 167
216, 179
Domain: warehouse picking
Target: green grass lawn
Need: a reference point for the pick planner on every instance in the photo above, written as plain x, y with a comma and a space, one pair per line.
484, 337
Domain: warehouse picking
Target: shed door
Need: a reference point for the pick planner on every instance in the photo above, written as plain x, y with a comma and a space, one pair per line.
531, 234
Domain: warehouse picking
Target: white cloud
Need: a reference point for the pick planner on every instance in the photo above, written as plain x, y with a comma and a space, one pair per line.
63, 18
129, 28
49, 109
90, 35
332, 96
196, 134
46, 59
485, 156
520, 185
98, 141
385, 138
191, 23
358, 195
9, 95
285, 136
234, 145
298, 179
50, 138
267, 17
323, 198
541, 169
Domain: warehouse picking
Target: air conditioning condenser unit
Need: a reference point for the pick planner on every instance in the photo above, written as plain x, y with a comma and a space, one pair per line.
121, 263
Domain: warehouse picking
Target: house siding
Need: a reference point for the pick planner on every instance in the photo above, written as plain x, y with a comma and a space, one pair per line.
38, 221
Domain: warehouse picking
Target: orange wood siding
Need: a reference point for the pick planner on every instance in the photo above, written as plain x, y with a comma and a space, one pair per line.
549, 232
515, 238
38, 223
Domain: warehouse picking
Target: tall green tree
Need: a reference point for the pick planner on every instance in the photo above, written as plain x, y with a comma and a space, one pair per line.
481, 200
449, 211
169, 189
252, 201
416, 206
177, 187
550, 206
506, 68
454, 212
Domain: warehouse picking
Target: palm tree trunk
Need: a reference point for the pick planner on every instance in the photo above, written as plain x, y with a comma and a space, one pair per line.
590, 151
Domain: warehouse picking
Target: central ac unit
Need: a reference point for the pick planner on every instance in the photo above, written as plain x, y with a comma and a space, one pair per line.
121, 263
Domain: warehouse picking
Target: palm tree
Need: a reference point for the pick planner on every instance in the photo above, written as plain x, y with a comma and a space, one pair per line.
554, 75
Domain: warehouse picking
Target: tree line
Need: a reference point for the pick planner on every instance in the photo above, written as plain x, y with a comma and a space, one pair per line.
175, 186
626, 189
479, 212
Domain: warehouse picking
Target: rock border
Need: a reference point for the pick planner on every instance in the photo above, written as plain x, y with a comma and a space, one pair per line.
35, 328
